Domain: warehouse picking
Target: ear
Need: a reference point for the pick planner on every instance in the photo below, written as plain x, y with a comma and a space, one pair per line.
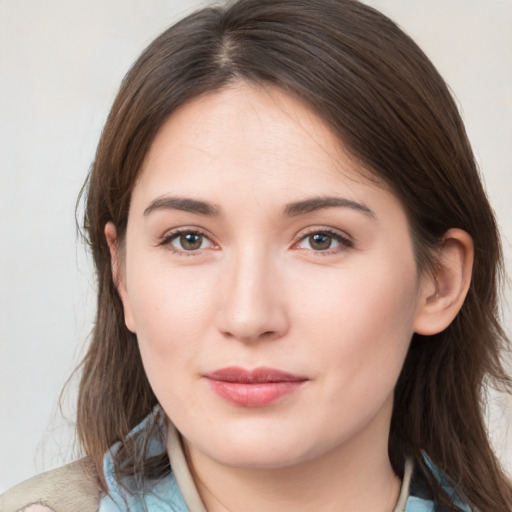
444, 291
117, 274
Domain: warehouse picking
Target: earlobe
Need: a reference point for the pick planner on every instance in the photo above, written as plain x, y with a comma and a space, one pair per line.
117, 274
444, 291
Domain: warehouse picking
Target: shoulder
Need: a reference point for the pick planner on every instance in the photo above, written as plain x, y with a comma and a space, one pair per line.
69, 488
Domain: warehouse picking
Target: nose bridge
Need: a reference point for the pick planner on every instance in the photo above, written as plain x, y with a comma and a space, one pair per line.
253, 303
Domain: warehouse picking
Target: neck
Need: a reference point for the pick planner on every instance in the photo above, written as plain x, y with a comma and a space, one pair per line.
352, 477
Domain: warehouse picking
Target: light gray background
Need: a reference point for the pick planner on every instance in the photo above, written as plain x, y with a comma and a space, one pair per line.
61, 62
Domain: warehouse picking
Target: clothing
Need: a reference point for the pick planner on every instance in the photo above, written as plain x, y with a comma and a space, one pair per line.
70, 489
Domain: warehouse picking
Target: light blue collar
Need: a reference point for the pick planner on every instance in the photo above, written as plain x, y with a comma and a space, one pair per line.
161, 496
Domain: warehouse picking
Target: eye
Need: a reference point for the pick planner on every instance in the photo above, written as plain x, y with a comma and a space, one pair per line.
324, 241
186, 241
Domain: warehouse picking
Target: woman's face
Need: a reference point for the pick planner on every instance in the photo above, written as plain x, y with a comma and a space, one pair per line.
272, 288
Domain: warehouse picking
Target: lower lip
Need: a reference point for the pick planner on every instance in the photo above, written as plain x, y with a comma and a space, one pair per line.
255, 394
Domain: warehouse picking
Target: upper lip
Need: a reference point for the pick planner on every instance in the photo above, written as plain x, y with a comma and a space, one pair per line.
260, 375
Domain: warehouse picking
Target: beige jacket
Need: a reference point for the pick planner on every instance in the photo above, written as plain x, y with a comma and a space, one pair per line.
68, 488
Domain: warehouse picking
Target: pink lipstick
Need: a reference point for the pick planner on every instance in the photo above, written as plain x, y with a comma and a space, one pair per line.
253, 388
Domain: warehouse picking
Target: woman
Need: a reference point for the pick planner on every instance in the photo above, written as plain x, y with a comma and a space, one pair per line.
297, 278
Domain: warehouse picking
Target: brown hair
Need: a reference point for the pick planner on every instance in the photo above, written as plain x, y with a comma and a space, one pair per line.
391, 109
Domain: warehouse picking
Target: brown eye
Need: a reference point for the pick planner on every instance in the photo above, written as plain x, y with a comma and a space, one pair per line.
190, 241
325, 241
320, 241
187, 242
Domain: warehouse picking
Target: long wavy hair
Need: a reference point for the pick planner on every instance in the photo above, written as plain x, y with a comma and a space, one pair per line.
390, 108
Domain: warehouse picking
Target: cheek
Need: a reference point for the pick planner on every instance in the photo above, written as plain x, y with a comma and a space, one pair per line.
171, 311
363, 321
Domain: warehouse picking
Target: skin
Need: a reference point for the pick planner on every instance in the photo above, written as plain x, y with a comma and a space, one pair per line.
259, 290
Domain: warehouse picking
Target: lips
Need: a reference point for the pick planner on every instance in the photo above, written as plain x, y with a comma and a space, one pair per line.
253, 388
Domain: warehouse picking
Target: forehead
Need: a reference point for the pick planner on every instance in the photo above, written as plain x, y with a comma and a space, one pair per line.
249, 139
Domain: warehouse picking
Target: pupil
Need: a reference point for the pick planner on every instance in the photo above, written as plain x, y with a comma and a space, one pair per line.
190, 241
320, 242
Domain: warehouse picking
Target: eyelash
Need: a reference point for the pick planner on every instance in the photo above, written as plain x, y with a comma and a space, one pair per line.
170, 237
344, 241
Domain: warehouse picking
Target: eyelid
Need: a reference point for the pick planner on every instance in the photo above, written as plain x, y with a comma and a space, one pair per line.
345, 240
172, 234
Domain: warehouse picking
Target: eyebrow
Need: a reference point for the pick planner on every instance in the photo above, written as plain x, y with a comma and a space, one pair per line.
184, 204
318, 203
294, 209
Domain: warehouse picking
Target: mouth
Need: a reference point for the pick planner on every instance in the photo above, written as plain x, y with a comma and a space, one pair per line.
253, 388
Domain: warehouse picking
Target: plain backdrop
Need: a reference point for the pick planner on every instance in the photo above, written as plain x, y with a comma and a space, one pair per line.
61, 62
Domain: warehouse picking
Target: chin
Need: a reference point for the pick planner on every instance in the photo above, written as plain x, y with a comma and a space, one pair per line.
258, 457
262, 448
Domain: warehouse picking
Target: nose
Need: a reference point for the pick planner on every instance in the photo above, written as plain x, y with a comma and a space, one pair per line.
252, 302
